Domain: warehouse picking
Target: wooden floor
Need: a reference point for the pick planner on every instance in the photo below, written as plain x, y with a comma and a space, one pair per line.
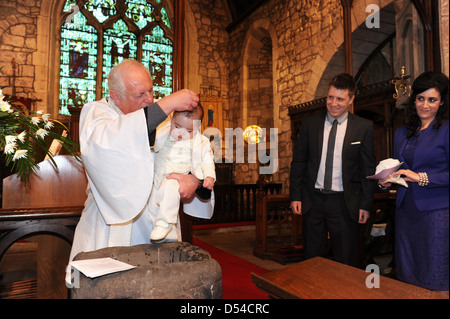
239, 241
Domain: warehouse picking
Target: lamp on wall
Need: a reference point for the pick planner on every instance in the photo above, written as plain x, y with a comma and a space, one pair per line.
252, 134
402, 85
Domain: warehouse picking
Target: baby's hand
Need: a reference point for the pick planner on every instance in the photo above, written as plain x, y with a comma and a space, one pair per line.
208, 183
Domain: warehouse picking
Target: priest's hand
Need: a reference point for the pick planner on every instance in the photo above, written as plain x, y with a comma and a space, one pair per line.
188, 184
183, 100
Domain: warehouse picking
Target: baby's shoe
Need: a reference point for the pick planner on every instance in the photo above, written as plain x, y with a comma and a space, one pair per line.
162, 229
172, 236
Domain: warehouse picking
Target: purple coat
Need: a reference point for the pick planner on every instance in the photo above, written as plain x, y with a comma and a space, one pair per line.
432, 157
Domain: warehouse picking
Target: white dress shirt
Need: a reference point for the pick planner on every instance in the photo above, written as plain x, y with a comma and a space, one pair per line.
336, 184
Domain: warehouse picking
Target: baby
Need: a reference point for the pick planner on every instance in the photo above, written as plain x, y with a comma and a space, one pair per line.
182, 150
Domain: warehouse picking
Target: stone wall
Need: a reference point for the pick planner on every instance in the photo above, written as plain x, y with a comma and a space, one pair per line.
260, 91
206, 45
443, 18
303, 37
18, 34
306, 35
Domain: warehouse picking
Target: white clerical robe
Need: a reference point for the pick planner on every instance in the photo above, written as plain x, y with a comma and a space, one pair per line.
119, 166
116, 155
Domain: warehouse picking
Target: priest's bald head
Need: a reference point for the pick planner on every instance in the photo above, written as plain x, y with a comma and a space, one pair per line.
130, 86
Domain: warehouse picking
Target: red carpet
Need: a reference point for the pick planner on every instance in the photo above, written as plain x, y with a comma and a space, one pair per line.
236, 273
223, 225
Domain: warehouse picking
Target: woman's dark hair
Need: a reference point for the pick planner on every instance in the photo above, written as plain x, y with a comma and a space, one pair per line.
424, 82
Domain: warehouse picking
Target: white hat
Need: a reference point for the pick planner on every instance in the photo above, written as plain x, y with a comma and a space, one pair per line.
385, 168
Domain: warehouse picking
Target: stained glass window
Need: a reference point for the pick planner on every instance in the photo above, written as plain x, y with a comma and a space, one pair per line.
165, 17
140, 12
157, 56
118, 44
98, 34
77, 63
101, 9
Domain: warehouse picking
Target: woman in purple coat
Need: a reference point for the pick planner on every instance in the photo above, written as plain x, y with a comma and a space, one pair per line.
422, 214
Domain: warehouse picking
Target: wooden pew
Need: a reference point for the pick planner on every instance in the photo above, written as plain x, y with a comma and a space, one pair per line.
321, 278
49, 187
51, 204
273, 209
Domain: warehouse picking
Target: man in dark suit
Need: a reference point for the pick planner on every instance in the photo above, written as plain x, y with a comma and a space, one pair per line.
328, 184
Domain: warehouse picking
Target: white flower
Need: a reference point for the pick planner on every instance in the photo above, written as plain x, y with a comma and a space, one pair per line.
49, 125
9, 139
35, 120
20, 154
5, 107
21, 136
46, 117
9, 148
41, 133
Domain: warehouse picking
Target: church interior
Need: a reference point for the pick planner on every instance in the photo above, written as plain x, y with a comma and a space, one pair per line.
258, 67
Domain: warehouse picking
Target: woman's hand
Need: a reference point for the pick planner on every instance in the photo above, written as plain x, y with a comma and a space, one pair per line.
408, 175
383, 183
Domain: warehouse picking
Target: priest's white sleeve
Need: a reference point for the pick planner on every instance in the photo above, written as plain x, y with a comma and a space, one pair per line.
117, 159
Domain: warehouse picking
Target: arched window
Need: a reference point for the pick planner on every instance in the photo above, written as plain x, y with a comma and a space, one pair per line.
379, 65
98, 34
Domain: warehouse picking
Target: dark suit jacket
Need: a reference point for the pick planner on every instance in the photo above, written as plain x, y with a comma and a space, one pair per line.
358, 161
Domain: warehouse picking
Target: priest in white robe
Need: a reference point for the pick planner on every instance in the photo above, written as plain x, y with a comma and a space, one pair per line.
115, 138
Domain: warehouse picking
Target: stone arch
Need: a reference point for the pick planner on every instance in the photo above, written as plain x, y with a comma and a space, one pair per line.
364, 41
258, 35
410, 39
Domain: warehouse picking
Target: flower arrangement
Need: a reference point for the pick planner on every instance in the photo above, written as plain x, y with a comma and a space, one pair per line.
21, 136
